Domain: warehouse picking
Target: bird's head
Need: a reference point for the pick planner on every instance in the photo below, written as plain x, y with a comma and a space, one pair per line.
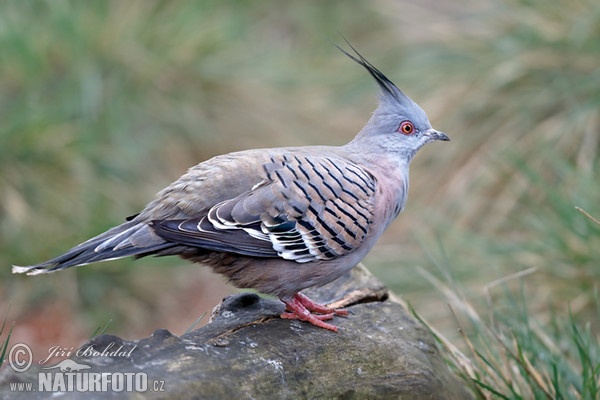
398, 124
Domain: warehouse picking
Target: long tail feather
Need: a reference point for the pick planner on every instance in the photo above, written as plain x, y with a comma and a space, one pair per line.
129, 239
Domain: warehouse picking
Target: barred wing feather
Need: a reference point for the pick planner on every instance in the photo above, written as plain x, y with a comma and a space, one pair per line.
306, 209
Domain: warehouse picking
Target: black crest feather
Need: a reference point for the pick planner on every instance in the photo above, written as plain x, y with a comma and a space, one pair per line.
386, 85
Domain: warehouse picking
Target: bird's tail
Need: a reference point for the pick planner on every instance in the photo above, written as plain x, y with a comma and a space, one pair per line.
132, 238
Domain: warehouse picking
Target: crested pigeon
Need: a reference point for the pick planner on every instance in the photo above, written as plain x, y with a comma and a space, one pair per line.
279, 220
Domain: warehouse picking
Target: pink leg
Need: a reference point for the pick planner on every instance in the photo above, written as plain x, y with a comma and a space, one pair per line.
319, 308
300, 307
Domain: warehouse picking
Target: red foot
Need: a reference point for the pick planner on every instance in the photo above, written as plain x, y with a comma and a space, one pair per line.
302, 308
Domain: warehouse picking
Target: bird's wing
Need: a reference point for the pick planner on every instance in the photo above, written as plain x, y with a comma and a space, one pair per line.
307, 208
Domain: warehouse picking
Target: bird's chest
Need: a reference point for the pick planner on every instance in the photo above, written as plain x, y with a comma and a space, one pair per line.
392, 194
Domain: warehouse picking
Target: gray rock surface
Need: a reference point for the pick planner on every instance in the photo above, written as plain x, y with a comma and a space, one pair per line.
247, 352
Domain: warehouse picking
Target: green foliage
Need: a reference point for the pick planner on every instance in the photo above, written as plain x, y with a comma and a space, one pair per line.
5, 341
512, 353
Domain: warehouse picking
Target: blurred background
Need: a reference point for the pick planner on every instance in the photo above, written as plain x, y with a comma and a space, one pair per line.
103, 103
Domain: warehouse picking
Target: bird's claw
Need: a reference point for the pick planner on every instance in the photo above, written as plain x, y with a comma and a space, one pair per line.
302, 308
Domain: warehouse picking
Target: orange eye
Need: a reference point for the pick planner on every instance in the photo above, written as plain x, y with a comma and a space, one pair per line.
406, 128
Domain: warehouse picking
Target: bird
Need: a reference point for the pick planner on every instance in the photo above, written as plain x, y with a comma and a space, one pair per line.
279, 220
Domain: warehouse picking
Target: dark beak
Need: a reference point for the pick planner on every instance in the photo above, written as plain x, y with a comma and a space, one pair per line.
437, 135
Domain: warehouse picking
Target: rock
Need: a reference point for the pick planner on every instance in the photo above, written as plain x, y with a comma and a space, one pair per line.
247, 352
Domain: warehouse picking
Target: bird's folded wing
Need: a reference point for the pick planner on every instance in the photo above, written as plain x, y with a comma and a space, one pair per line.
307, 208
